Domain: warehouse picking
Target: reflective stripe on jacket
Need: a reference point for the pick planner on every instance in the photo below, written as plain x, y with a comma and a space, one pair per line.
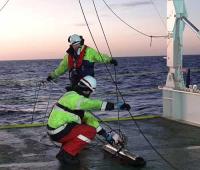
74, 101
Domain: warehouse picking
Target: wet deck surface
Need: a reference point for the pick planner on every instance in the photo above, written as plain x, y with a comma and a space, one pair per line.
179, 144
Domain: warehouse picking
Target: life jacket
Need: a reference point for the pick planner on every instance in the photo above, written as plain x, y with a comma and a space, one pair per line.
76, 64
78, 67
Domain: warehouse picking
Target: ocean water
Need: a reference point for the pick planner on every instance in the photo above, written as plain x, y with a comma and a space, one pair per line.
25, 99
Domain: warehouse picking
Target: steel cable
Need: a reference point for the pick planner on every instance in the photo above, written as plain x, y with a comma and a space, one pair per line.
4, 5
137, 125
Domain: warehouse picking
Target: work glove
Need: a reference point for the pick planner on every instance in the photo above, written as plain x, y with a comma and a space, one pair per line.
122, 106
109, 138
114, 62
113, 138
49, 78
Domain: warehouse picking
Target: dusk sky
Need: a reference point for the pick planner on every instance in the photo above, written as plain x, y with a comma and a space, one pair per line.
39, 29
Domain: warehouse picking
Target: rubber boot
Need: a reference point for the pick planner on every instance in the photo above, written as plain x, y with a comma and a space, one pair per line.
66, 158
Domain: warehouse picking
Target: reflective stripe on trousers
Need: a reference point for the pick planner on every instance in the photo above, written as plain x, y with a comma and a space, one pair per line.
77, 139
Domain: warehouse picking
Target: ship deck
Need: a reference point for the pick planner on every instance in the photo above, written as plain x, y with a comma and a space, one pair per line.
179, 144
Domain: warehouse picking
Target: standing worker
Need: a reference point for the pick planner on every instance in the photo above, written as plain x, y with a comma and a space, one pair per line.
79, 61
72, 123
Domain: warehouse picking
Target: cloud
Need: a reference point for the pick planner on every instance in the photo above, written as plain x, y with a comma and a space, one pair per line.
133, 4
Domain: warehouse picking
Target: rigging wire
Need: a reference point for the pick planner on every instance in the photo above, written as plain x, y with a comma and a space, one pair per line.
164, 25
37, 89
4, 5
137, 125
137, 30
36, 98
48, 100
47, 107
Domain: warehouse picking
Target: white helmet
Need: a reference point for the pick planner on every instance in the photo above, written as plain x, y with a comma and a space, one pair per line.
90, 82
75, 39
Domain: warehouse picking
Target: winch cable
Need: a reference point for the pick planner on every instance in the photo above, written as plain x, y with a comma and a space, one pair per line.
116, 87
109, 49
98, 50
137, 125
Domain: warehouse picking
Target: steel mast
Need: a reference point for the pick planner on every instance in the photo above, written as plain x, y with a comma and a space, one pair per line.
175, 26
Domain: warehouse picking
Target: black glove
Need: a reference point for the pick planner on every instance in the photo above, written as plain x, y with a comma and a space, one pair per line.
123, 106
114, 62
49, 78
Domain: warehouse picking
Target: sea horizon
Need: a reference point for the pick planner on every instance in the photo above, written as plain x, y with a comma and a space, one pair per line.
38, 59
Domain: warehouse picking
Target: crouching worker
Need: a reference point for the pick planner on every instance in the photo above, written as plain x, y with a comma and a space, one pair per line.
72, 124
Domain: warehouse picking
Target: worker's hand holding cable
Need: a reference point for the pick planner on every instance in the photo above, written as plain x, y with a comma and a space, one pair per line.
122, 106
113, 138
114, 62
